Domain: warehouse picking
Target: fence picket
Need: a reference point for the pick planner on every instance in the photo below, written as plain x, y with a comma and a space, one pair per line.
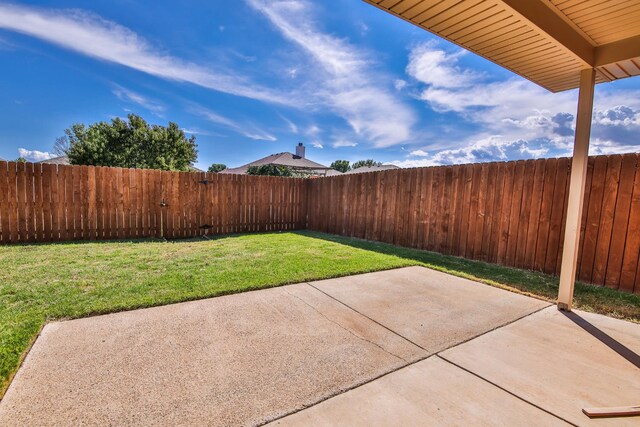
632, 243
5, 231
614, 165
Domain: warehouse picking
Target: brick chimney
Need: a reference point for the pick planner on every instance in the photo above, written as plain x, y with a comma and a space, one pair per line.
300, 150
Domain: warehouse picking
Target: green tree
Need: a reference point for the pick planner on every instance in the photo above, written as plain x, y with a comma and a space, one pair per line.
131, 143
368, 163
217, 167
341, 165
21, 160
269, 170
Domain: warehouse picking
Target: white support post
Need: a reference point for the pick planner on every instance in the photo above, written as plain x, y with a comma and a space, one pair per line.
576, 189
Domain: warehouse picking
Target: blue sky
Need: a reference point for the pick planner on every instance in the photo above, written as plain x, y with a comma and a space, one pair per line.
252, 79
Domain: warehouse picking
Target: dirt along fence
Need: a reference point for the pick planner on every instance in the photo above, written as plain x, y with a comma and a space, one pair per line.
47, 202
509, 213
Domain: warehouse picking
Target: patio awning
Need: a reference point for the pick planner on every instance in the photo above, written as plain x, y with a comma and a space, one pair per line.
546, 41
558, 44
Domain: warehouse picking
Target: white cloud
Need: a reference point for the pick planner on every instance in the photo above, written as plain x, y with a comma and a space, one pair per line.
259, 135
619, 115
491, 148
364, 28
619, 125
5, 45
419, 153
343, 143
316, 144
399, 84
196, 131
486, 102
242, 56
313, 130
34, 155
292, 126
510, 106
414, 163
347, 83
505, 107
131, 96
529, 120
248, 130
93, 36
438, 68
599, 146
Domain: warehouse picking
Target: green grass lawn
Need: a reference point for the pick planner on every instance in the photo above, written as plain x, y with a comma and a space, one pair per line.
54, 281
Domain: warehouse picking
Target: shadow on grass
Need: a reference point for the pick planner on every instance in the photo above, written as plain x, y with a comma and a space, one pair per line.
588, 297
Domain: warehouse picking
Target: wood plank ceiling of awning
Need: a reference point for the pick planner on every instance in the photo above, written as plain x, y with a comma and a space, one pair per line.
546, 41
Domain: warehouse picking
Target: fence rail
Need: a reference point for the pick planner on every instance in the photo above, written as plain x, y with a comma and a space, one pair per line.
47, 202
509, 213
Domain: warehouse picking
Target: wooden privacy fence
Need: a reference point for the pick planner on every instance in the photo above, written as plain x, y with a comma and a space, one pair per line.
509, 213
47, 202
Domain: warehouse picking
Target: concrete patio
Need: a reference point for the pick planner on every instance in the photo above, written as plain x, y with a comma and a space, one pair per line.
407, 346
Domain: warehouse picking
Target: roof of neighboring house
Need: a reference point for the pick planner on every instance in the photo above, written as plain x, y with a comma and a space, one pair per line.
280, 159
324, 173
365, 169
60, 160
333, 172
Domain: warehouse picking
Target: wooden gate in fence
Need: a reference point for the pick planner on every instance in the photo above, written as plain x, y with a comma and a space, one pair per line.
47, 202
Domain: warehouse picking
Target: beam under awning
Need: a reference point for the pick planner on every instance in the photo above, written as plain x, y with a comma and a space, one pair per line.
541, 16
622, 50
